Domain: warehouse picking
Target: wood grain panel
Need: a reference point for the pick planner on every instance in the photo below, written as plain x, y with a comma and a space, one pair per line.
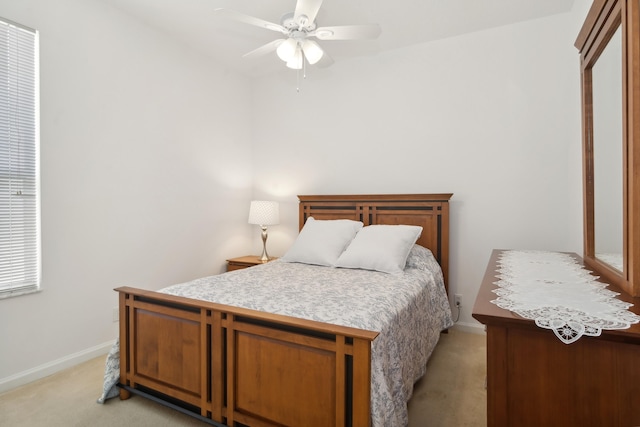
552, 383
497, 407
279, 381
167, 350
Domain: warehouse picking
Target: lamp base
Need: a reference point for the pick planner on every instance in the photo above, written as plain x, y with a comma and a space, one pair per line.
265, 256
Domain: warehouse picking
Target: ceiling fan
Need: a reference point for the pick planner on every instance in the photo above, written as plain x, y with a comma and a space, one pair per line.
299, 28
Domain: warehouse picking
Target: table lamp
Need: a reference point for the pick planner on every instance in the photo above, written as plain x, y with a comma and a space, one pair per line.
264, 213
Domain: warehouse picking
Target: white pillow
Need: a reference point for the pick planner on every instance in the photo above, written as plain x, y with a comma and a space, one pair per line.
381, 248
321, 242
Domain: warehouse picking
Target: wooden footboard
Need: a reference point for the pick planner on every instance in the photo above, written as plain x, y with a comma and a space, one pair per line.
241, 367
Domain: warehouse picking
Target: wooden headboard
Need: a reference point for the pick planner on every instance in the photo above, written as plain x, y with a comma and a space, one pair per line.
430, 211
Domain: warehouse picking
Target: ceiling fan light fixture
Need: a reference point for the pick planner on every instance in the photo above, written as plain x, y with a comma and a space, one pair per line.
294, 46
287, 49
312, 51
296, 61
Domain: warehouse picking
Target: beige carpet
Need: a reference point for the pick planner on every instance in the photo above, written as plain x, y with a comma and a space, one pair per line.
451, 394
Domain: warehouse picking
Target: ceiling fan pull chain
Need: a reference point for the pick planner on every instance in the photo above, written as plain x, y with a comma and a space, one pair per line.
304, 67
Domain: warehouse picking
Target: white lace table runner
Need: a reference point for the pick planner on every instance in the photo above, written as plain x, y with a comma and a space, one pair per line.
559, 294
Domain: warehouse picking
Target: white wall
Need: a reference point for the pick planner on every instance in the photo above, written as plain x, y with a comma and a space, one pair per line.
148, 163
493, 117
145, 180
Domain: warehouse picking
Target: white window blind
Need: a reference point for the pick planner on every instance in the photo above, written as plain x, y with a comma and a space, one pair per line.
19, 163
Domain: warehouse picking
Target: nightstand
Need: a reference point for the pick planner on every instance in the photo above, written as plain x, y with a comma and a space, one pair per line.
244, 262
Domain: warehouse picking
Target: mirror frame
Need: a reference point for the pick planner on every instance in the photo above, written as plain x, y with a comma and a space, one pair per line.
603, 19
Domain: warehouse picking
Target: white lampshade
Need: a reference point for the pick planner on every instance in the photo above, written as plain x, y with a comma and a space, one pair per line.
264, 212
296, 61
287, 49
312, 51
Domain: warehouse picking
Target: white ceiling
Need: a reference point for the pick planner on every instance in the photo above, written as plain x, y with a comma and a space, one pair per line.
403, 23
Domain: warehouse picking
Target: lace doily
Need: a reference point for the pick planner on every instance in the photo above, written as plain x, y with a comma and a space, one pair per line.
559, 294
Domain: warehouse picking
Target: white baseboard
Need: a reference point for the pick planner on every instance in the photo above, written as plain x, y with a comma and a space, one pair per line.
472, 328
54, 366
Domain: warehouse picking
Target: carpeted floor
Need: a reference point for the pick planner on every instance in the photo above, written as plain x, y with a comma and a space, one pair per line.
451, 394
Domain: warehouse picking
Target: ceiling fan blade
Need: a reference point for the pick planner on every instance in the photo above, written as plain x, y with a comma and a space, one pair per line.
251, 20
348, 32
264, 49
309, 8
325, 61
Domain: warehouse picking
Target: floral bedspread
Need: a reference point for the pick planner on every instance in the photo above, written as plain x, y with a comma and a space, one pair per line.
409, 311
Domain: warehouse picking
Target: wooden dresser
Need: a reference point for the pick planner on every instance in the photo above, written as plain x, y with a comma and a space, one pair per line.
534, 379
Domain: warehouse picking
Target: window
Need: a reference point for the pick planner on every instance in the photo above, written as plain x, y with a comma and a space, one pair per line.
19, 174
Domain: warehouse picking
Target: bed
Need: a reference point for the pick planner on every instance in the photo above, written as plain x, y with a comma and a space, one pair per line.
348, 356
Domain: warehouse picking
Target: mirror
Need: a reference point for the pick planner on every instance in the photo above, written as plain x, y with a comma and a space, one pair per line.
610, 70
607, 143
